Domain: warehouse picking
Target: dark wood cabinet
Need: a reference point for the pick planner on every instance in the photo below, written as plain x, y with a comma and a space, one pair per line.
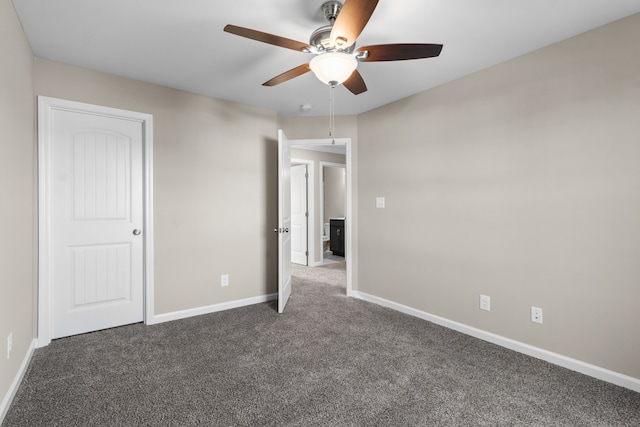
337, 236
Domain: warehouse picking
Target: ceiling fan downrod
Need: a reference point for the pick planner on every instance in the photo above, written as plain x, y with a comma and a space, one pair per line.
331, 10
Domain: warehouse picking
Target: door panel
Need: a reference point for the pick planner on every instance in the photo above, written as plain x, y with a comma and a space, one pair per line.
101, 164
299, 214
111, 282
96, 203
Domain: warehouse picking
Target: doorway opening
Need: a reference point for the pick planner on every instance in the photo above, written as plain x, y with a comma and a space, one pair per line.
334, 155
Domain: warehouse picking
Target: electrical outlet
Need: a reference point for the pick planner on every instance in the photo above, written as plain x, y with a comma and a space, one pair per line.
224, 280
9, 345
485, 302
536, 314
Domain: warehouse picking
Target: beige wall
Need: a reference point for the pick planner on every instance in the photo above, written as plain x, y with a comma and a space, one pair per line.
334, 192
318, 127
521, 182
17, 193
215, 185
316, 157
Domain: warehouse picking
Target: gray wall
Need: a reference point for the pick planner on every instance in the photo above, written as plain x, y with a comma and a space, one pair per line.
17, 194
521, 182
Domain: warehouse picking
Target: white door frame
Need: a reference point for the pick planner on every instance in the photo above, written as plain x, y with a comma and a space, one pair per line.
322, 218
45, 107
311, 241
309, 143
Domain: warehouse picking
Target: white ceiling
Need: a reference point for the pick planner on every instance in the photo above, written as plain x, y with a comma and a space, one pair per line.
181, 43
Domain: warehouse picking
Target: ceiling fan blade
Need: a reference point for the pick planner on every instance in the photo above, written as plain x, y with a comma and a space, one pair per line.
351, 20
288, 75
400, 52
266, 38
355, 83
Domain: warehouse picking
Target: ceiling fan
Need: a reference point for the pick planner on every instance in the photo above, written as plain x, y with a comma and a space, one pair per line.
337, 57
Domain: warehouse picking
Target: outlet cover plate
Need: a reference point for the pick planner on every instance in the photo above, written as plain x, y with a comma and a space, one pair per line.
485, 302
536, 314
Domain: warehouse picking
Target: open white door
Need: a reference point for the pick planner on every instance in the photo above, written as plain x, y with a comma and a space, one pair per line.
284, 220
299, 216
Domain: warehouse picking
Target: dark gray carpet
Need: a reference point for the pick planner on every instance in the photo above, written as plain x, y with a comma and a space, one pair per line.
328, 361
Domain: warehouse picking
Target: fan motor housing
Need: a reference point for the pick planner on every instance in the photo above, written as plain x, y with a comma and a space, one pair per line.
320, 40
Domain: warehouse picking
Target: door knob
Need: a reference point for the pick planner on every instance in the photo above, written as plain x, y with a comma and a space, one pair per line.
136, 232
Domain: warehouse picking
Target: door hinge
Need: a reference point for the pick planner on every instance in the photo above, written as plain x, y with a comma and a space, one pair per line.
306, 253
306, 214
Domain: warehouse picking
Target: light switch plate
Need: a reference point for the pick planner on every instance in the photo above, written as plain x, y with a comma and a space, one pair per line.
380, 202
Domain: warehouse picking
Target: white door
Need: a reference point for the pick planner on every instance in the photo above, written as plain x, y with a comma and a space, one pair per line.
284, 220
299, 215
96, 222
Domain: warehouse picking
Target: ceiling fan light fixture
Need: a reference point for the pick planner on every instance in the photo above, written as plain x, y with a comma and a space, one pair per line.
333, 67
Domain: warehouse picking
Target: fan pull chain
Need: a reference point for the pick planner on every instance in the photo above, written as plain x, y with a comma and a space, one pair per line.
332, 87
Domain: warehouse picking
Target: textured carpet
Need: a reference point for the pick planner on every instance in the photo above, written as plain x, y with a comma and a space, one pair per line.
328, 361
330, 274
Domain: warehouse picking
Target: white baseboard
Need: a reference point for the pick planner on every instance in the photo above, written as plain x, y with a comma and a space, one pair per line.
183, 314
13, 388
539, 353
